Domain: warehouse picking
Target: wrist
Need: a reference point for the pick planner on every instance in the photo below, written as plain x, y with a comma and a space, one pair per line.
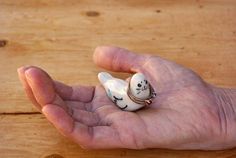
225, 99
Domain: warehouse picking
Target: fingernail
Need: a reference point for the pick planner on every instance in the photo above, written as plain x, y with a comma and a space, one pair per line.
23, 68
28, 73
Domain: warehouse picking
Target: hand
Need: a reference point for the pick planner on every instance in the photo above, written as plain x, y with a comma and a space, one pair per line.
184, 115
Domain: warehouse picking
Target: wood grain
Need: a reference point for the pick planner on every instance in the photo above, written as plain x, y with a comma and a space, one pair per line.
60, 36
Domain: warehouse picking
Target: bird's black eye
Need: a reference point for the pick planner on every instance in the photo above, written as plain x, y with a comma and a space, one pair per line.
146, 82
139, 85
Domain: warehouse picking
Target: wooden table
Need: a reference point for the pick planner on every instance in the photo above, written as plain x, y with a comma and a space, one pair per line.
60, 36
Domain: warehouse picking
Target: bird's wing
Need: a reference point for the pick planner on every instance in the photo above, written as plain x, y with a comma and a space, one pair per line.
117, 85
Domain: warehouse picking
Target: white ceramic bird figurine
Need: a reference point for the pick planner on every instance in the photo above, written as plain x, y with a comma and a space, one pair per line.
128, 96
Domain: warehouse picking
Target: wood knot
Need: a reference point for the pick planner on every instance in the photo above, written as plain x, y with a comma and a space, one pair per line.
54, 156
158, 11
92, 13
200, 6
3, 43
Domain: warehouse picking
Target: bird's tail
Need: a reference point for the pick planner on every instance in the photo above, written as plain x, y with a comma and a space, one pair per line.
104, 77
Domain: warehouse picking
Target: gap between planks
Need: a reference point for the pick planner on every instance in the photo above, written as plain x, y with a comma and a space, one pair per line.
20, 113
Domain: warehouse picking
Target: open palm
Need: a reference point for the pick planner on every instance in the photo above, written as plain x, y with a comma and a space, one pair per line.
184, 115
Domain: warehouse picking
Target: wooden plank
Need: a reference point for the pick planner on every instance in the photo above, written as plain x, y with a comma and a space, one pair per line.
28, 136
61, 37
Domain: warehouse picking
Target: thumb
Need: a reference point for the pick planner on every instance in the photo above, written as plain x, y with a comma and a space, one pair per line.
118, 59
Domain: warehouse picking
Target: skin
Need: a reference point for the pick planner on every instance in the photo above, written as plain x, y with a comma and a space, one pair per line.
187, 113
